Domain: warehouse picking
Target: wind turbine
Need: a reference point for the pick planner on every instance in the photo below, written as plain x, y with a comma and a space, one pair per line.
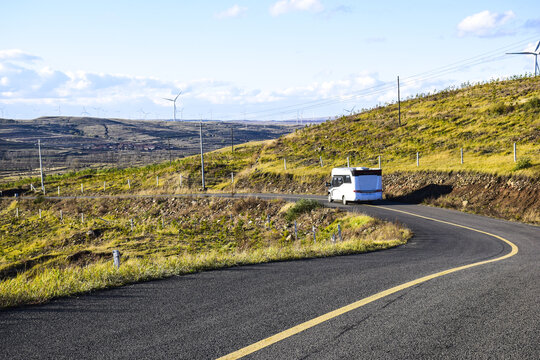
535, 53
350, 111
84, 112
174, 103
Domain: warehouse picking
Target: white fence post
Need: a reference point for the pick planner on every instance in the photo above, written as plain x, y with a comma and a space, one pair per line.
461, 155
82, 188
285, 164
348, 161
417, 159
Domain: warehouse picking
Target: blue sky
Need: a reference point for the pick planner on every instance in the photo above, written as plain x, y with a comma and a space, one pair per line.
262, 60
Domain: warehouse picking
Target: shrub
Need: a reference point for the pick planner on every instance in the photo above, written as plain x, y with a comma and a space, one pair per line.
523, 163
501, 109
301, 206
533, 104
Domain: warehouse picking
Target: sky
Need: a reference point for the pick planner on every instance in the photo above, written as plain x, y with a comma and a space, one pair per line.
256, 60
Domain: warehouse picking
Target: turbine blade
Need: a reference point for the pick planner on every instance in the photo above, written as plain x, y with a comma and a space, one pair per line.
537, 46
167, 99
523, 52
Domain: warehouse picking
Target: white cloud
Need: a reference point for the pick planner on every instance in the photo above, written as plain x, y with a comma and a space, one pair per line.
17, 55
485, 23
232, 12
285, 6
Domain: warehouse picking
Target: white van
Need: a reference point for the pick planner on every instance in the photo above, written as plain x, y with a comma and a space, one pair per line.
355, 184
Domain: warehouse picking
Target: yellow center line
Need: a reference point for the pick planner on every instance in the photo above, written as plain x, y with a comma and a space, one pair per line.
355, 305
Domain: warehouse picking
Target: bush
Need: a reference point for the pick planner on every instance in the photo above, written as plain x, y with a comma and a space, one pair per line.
501, 109
523, 163
301, 206
533, 104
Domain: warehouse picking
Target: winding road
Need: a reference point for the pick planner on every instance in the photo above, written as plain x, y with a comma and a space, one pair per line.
464, 287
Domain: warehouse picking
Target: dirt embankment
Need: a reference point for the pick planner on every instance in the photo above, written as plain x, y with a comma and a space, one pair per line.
506, 197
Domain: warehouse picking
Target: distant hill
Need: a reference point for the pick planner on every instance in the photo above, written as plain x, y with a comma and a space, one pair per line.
81, 142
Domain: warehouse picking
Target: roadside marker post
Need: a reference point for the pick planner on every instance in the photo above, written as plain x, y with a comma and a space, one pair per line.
131, 223
320, 159
157, 180
17, 213
82, 218
417, 159
285, 164
339, 232
58, 190
314, 235
40, 213
515, 154
295, 231
129, 184
462, 156
104, 186
116, 258
82, 188
61, 216
348, 162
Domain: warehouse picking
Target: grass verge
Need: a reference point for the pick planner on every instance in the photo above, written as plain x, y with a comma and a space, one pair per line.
44, 258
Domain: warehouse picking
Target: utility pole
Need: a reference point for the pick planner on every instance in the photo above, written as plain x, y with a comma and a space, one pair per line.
41, 166
232, 138
399, 102
202, 156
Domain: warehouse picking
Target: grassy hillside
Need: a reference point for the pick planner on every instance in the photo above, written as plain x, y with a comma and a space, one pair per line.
485, 120
50, 248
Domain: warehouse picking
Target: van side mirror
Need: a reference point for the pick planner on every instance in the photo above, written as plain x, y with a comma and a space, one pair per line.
328, 184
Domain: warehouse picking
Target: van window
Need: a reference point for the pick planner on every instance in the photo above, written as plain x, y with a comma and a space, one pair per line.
337, 181
347, 179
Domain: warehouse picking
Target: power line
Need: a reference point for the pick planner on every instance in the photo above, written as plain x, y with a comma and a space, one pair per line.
386, 86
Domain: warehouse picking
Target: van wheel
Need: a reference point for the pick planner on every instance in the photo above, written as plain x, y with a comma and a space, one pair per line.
329, 198
344, 201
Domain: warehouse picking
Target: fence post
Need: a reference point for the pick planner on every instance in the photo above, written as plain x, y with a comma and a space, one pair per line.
82, 188
40, 213
320, 159
417, 159
348, 162
129, 184
285, 164
515, 155
61, 216
58, 190
17, 212
461, 155
82, 218
104, 186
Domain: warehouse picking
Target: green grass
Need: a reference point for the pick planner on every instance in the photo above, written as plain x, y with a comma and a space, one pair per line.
43, 258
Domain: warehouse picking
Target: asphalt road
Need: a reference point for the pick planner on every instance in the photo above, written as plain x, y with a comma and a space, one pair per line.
487, 311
